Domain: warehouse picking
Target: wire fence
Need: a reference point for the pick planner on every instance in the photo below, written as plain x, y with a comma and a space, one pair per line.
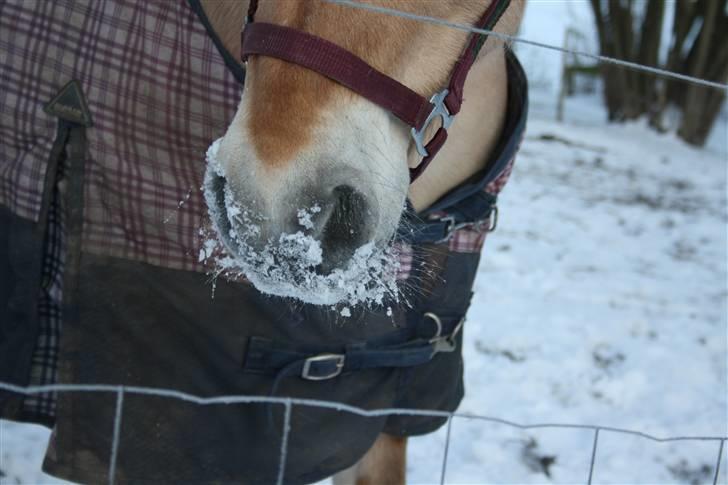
289, 402
512, 38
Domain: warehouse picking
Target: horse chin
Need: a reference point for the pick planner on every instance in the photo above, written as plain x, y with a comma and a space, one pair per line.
294, 266
291, 268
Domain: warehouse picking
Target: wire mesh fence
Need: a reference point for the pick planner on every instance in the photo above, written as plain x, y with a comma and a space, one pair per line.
288, 404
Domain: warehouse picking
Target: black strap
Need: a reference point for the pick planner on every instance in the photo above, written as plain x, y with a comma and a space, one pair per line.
475, 211
264, 355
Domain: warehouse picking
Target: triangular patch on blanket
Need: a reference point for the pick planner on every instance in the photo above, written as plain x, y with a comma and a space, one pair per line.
70, 104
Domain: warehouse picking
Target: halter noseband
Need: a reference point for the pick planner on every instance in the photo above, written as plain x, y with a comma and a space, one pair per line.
340, 65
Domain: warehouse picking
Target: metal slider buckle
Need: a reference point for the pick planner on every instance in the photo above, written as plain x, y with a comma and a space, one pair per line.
488, 224
443, 343
338, 362
438, 109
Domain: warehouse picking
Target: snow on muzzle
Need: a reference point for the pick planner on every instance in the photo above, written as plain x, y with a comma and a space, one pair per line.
326, 258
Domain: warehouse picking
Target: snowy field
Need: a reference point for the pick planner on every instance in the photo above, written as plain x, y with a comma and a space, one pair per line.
601, 299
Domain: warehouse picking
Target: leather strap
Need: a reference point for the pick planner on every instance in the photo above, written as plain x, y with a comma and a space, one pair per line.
252, 8
266, 356
340, 65
432, 147
454, 98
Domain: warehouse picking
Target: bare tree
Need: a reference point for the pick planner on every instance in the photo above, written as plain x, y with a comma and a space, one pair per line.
632, 30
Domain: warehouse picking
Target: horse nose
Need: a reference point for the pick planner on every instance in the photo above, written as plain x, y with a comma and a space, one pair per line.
349, 225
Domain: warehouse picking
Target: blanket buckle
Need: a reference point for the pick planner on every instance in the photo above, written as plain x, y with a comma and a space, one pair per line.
323, 366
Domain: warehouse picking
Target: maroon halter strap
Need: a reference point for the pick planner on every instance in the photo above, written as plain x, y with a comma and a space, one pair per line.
340, 65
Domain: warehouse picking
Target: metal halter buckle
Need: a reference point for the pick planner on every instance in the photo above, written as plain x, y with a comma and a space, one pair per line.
443, 343
338, 362
439, 109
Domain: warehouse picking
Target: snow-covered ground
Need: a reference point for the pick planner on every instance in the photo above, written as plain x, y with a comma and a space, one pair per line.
601, 299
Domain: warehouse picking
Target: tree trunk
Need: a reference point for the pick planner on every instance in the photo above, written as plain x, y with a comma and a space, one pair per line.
699, 48
699, 108
685, 16
647, 90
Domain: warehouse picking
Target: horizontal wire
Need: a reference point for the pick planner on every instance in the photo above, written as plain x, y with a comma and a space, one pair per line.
287, 401
469, 28
336, 406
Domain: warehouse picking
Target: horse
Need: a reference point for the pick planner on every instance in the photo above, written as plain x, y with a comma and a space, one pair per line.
298, 136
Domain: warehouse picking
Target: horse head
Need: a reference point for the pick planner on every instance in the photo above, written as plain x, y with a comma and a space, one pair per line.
306, 159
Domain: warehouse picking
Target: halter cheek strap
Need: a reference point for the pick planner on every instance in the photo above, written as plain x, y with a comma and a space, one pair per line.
340, 65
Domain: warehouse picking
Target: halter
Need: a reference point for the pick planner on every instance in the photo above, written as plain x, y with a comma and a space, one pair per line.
340, 65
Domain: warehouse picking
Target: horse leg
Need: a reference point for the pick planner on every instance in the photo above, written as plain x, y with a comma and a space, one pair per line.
383, 464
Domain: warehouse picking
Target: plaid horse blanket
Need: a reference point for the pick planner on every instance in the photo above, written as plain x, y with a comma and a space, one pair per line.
159, 92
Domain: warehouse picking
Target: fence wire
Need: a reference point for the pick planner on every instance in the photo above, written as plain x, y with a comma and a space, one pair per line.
289, 402
512, 38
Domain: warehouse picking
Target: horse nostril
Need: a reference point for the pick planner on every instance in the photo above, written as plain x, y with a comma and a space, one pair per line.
347, 226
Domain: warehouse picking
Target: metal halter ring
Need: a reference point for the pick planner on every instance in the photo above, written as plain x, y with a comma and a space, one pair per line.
438, 109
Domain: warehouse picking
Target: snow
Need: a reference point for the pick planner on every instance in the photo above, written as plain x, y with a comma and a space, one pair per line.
22, 447
306, 216
601, 299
